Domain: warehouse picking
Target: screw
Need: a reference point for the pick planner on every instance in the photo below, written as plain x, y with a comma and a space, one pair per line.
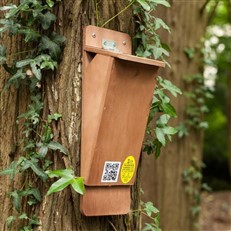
124, 43
93, 35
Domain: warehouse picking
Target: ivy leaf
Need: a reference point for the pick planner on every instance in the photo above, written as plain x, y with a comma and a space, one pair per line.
57, 38
160, 23
161, 2
160, 135
168, 109
158, 146
2, 54
57, 146
36, 71
67, 178
158, 52
23, 63
182, 130
78, 185
30, 34
144, 4
50, 3
166, 84
13, 11
10, 220
170, 130
25, 164
61, 173
53, 48
43, 150
23, 216
46, 19
8, 7
163, 120
149, 209
16, 199
36, 193
59, 185
55, 116
11, 170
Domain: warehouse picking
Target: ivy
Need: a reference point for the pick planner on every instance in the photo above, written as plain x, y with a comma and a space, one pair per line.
33, 21
191, 178
148, 44
149, 210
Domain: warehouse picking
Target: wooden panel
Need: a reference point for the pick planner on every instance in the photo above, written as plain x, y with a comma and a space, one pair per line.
127, 57
94, 87
102, 201
94, 36
124, 116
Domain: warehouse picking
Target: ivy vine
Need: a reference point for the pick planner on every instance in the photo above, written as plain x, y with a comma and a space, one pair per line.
33, 21
148, 44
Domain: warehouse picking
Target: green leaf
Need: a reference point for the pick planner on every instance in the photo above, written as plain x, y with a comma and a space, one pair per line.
12, 170
57, 38
166, 84
55, 117
59, 185
160, 135
144, 4
16, 199
34, 166
46, 19
161, 2
2, 54
43, 151
10, 220
50, 3
34, 221
8, 7
23, 216
69, 173
182, 130
78, 185
170, 130
168, 109
158, 146
12, 12
36, 193
36, 71
160, 23
23, 63
53, 48
25, 164
150, 209
190, 52
163, 120
57, 146
30, 34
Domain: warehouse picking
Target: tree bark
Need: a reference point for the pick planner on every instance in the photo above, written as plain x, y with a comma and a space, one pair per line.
62, 94
162, 178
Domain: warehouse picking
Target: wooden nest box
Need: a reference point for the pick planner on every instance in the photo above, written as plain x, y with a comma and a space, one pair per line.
117, 90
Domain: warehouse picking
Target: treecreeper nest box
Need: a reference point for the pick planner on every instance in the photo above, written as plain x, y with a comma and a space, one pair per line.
117, 90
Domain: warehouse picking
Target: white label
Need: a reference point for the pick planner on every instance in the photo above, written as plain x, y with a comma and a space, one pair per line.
111, 171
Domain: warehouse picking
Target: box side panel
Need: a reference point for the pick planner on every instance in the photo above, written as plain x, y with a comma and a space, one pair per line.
123, 123
94, 87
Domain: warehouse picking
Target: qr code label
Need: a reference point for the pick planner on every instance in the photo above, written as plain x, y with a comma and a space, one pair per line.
111, 171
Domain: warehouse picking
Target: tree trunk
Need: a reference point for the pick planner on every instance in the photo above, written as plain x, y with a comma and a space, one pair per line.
62, 94
162, 178
229, 121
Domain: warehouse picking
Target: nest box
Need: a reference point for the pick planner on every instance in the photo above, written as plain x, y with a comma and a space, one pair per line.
117, 90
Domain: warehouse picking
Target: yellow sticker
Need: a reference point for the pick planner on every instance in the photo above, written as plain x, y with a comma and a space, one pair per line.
128, 169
